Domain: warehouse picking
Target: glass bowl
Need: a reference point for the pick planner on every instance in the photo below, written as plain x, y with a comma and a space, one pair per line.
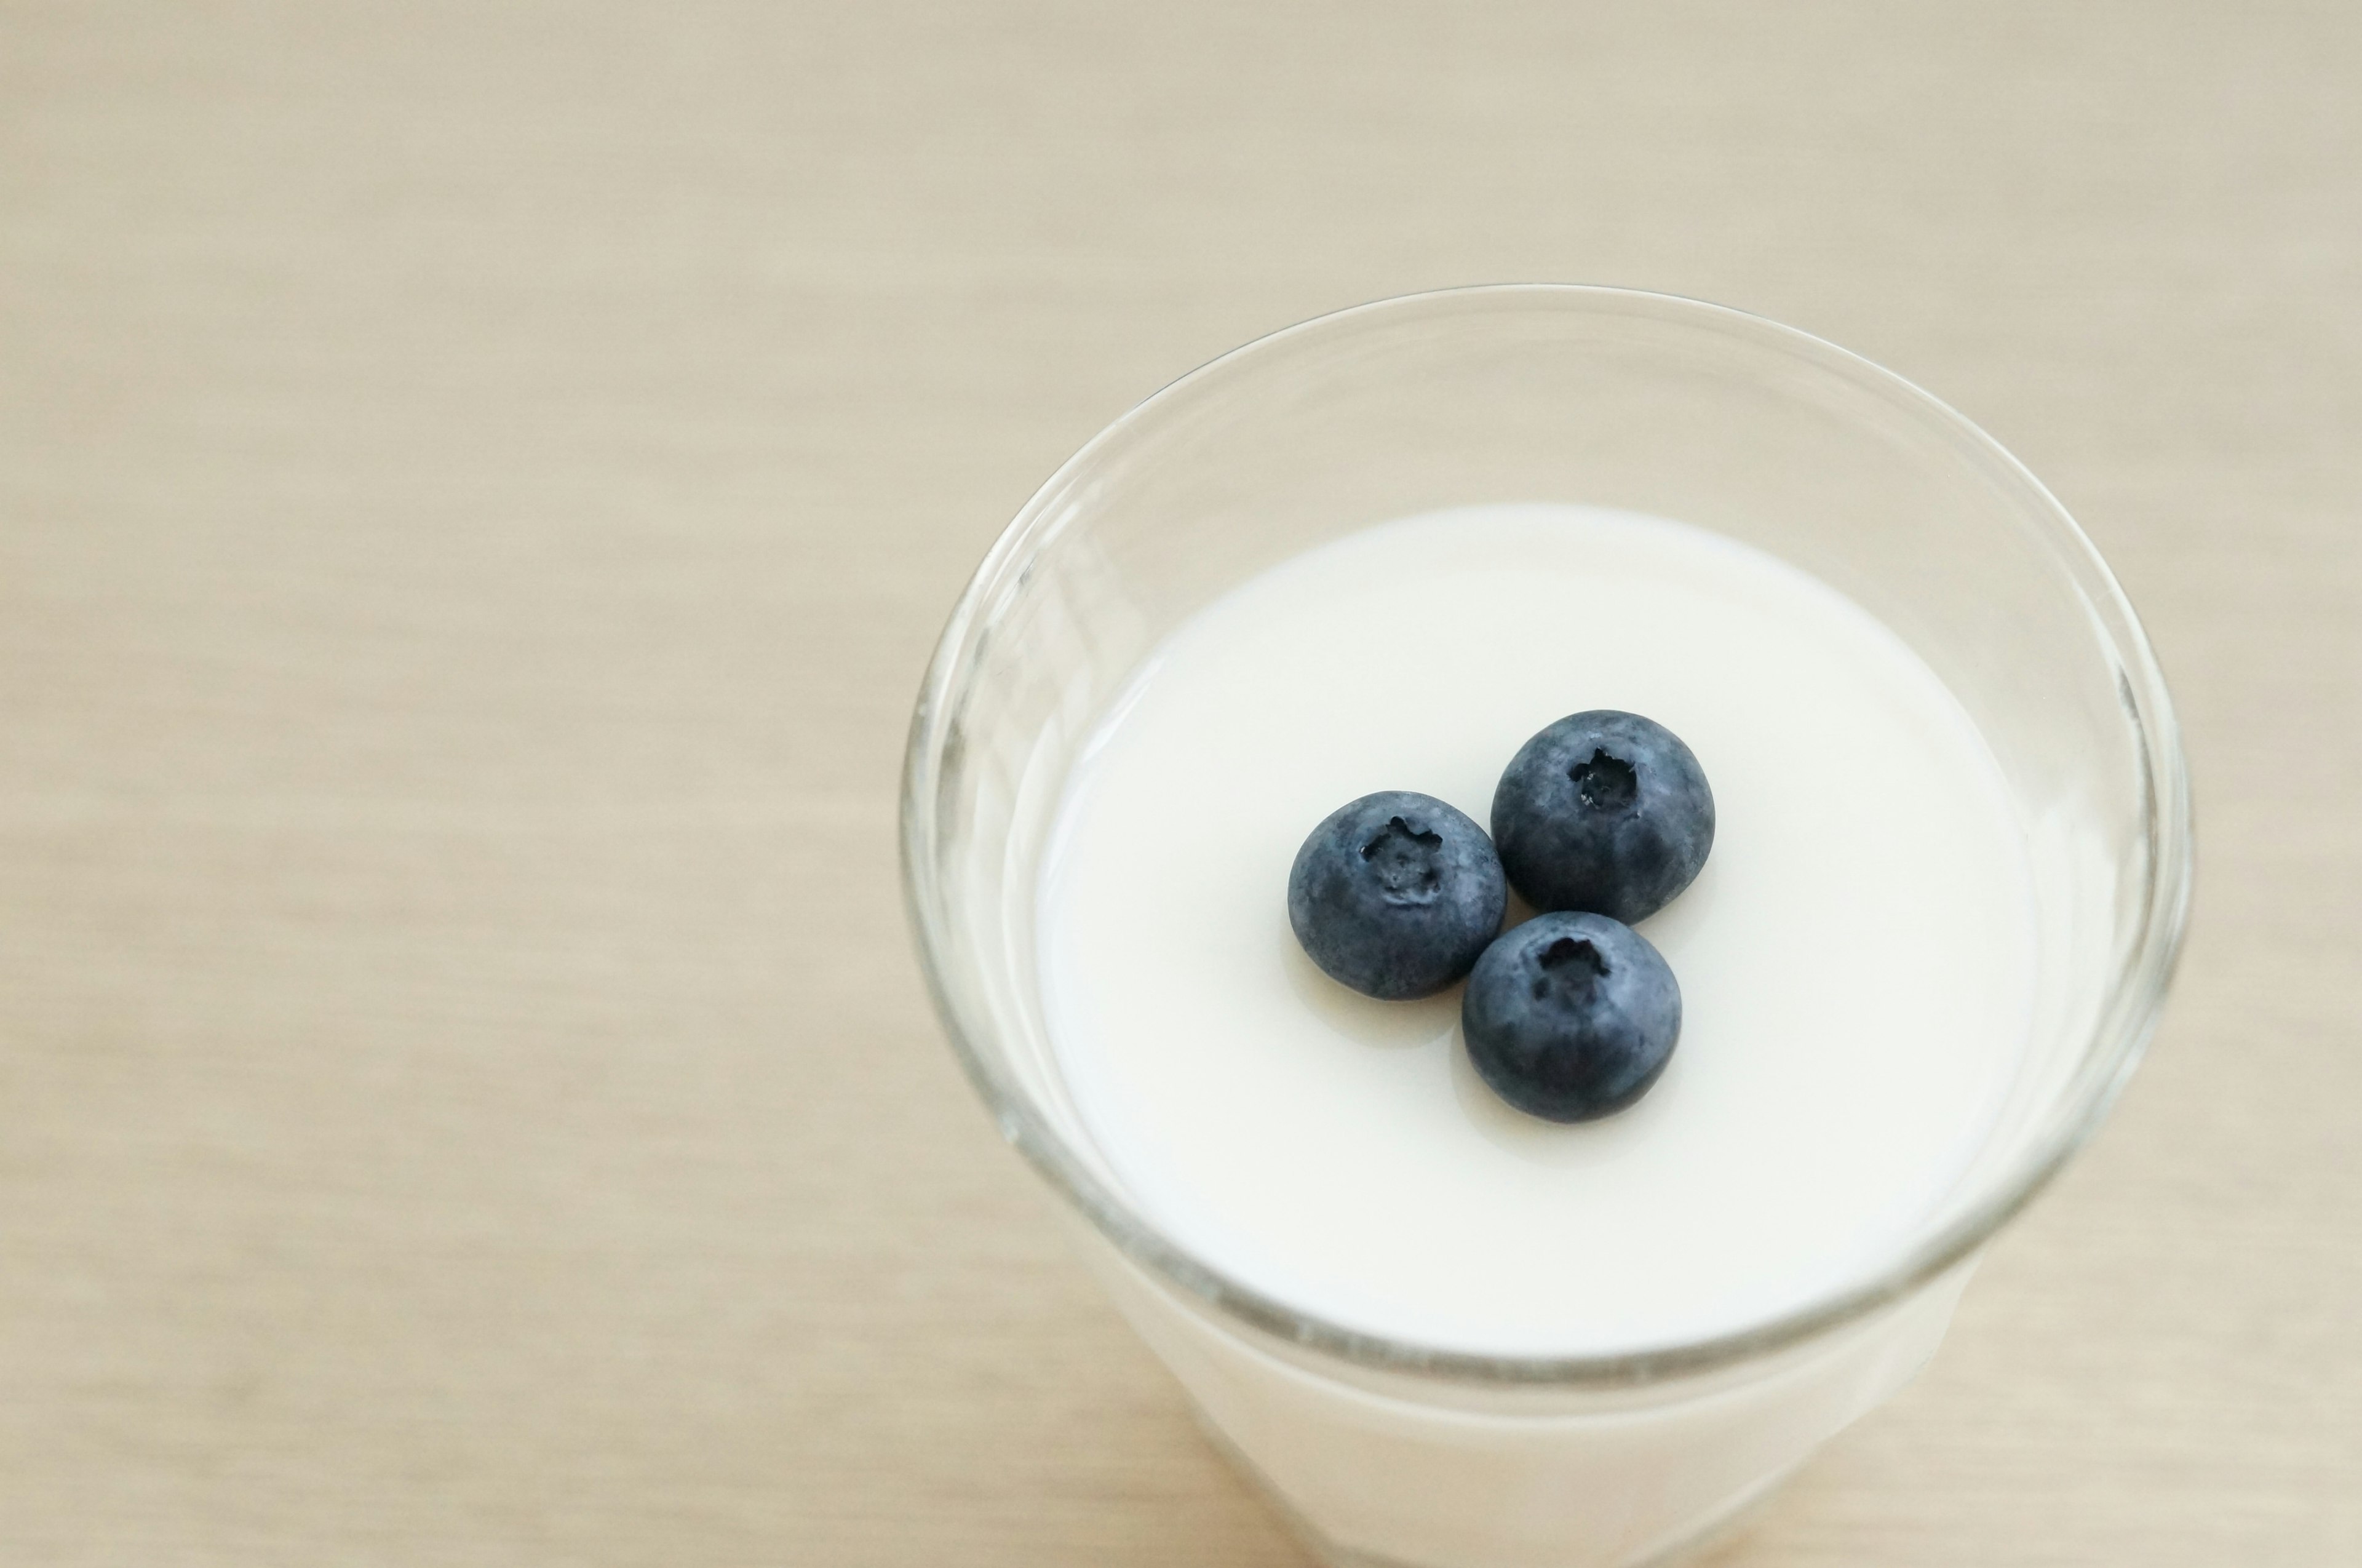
1613, 398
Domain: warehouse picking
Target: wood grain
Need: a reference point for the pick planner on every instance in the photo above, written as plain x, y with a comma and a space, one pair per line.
478, 484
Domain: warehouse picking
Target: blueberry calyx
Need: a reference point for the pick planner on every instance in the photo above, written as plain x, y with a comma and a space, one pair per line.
1579, 959
1406, 859
1605, 783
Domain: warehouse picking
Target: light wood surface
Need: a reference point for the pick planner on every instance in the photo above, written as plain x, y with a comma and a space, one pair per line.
479, 485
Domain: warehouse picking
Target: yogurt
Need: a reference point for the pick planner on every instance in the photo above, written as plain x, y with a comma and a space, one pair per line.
1856, 960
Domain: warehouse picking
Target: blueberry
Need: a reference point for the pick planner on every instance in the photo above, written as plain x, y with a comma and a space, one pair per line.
1396, 894
1604, 812
1571, 1016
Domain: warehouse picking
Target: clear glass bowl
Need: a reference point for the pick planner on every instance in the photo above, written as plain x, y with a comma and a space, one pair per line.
1553, 392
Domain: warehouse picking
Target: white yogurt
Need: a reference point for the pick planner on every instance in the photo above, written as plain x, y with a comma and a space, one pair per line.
1856, 960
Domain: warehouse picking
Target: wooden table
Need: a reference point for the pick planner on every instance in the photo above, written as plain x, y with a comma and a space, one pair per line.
478, 487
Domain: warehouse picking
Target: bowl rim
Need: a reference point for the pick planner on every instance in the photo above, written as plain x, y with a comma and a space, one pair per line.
2120, 1034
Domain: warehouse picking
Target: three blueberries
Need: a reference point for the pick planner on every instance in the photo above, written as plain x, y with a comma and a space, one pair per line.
1599, 821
